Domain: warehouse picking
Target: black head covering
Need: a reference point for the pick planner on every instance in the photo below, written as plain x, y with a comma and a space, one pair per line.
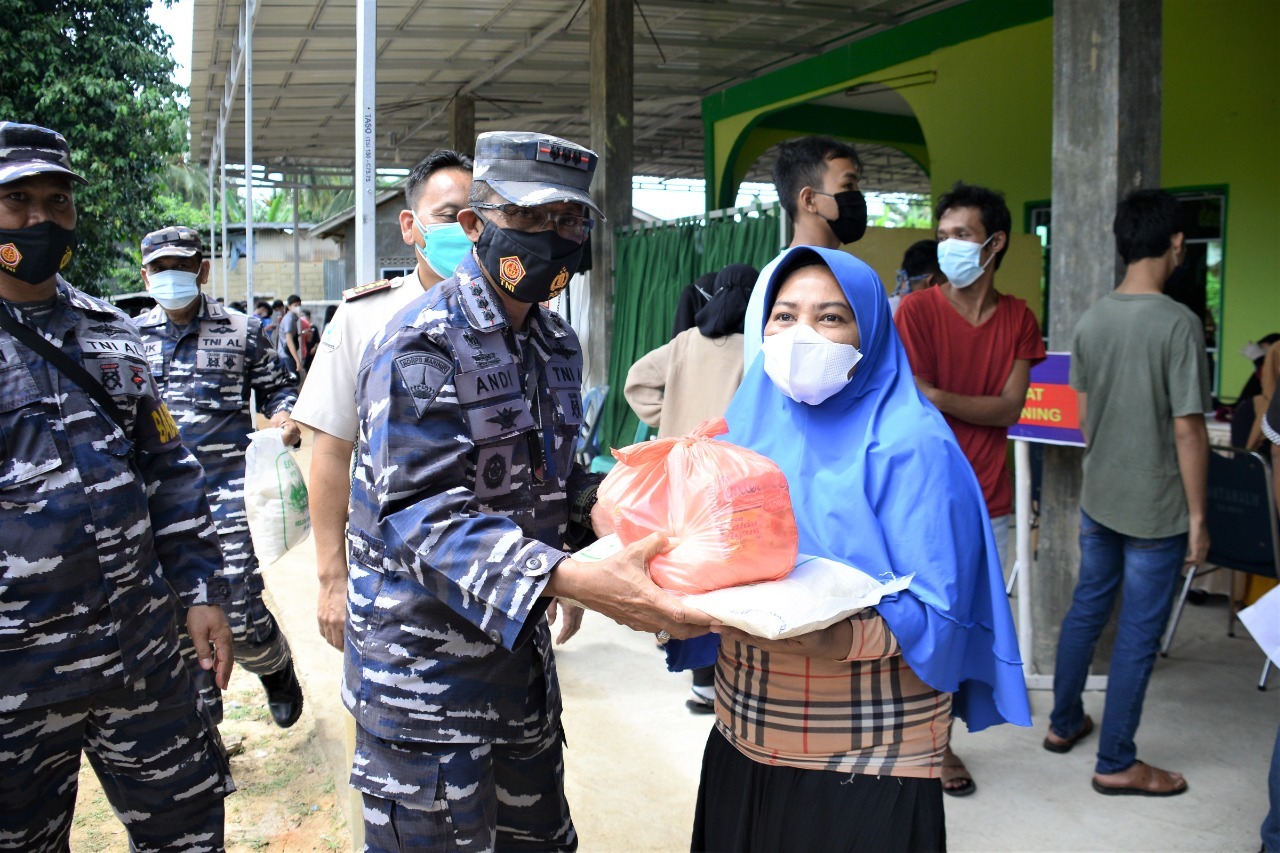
725, 313
692, 299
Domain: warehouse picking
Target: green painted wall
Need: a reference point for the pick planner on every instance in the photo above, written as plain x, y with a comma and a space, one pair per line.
1222, 127
988, 120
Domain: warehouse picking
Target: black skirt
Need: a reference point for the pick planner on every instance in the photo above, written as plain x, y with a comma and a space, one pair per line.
748, 807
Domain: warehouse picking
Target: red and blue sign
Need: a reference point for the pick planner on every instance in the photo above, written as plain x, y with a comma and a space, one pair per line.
1052, 411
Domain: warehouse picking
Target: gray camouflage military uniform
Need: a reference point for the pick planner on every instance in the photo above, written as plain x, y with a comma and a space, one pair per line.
460, 501
102, 527
205, 372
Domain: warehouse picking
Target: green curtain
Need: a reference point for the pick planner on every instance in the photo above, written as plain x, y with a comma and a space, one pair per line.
653, 265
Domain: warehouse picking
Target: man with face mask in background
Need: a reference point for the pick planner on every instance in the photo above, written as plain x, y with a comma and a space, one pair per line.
817, 182
971, 350
205, 359
461, 506
434, 193
105, 521
288, 342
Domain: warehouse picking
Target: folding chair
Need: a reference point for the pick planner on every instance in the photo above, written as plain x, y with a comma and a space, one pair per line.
604, 463
588, 443
1244, 535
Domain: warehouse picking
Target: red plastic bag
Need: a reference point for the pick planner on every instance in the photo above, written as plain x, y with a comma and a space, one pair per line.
726, 508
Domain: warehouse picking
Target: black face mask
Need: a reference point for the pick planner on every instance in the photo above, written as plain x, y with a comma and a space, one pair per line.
851, 223
529, 267
35, 254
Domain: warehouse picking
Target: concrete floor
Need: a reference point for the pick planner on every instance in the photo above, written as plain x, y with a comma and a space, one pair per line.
634, 750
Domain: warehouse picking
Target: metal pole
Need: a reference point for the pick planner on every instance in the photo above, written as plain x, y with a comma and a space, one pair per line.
213, 271
1023, 572
226, 267
1022, 563
297, 268
366, 55
248, 156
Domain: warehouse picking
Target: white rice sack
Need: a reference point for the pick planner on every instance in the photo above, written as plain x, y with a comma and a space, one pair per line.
817, 593
275, 496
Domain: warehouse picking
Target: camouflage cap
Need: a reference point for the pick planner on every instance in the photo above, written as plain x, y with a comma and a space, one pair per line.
535, 168
28, 149
176, 241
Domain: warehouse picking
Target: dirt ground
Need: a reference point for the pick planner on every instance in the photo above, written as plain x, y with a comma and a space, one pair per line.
285, 795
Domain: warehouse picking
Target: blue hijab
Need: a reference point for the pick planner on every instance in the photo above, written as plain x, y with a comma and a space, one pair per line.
878, 482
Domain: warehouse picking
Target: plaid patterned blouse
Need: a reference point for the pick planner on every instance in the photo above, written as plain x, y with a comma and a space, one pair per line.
869, 714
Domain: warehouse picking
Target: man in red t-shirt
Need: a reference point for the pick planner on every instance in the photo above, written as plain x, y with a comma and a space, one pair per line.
971, 349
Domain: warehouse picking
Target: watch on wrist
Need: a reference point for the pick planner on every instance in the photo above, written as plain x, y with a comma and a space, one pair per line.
580, 512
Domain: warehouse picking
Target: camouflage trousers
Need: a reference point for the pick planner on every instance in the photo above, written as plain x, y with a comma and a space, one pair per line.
159, 764
465, 797
257, 641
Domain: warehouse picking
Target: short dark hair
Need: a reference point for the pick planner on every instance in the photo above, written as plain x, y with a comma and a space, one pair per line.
921, 258
990, 204
261, 304
277, 304
295, 299
441, 158
1145, 222
803, 163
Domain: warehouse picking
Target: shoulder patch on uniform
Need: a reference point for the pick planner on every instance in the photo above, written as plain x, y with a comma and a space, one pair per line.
332, 337
353, 293
423, 375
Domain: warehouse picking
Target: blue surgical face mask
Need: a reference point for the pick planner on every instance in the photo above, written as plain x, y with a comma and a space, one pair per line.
173, 289
959, 260
444, 246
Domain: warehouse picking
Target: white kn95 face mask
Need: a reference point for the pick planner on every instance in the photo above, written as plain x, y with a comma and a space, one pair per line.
807, 367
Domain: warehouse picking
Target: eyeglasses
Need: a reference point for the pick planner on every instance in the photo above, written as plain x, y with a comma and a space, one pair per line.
571, 226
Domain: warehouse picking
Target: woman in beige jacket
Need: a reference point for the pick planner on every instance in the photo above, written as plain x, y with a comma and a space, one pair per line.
692, 378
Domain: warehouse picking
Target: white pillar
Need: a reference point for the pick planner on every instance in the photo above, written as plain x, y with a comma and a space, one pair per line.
366, 126
248, 155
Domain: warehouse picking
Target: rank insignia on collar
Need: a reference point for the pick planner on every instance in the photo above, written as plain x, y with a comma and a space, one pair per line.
353, 293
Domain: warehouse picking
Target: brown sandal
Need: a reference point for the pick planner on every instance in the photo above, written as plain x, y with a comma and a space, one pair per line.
1151, 782
1064, 745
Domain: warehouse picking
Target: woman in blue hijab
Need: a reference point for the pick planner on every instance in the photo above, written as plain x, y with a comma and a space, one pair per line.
807, 727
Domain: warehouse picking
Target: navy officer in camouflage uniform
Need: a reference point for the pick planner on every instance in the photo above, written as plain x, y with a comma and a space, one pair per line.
103, 512
464, 490
206, 358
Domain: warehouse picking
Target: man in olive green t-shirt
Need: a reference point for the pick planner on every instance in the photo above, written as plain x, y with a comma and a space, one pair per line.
1138, 365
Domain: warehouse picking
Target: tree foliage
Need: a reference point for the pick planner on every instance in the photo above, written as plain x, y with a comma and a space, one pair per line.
99, 72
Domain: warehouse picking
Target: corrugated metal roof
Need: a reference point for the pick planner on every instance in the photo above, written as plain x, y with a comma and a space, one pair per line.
524, 61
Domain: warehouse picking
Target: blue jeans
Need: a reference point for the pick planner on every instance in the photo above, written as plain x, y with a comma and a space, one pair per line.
1271, 826
1146, 571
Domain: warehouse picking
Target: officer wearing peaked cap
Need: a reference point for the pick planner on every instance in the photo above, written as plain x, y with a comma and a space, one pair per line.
205, 359
105, 520
434, 192
465, 498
